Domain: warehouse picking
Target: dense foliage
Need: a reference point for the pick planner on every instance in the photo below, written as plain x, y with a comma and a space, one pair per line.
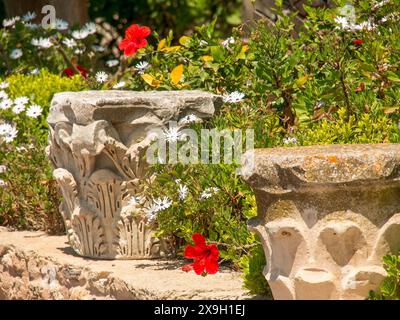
179, 15
29, 198
333, 81
390, 287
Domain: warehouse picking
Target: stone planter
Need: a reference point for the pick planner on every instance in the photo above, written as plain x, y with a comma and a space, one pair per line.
98, 141
326, 217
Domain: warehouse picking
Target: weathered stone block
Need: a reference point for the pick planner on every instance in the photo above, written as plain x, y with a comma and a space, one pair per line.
98, 141
326, 217
63, 275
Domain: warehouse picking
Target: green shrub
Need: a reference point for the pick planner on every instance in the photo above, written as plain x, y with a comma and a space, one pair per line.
30, 199
313, 87
217, 205
390, 287
366, 128
252, 265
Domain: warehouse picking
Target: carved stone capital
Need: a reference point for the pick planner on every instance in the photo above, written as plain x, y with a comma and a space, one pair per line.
97, 144
326, 217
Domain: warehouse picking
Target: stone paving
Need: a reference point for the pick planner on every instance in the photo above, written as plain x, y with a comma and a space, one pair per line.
34, 265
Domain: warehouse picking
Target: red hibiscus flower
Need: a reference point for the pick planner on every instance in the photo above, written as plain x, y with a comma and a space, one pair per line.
358, 42
69, 72
205, 256
135, 38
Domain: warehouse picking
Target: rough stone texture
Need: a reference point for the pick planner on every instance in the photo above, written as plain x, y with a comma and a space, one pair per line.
37, 266
98, 141
326, 216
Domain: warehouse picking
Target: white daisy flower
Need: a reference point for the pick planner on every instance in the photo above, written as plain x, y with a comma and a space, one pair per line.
348, 24
205, 195
119, 85
10, 22
16, 54
366, 25
21, 149
3, 168
5, 128
10, 135
90, 28
182, 192
4, 85
29, 16
18, 108
3, 95
31, 26
151, 212
190, 118
34, 71
208, 193
112, 63
35, 42
163, 203
228, 42
380, 4
97, 48
21, 100
44, 43
203, 43
233, 97
6, 104
34, 111
70, 43
101, 76
142, 66
343, 22
290, 140
172, 134
135, 201
80, 34
61, 24
79, 51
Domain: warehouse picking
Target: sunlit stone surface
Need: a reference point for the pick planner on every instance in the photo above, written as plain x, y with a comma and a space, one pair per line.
326, 217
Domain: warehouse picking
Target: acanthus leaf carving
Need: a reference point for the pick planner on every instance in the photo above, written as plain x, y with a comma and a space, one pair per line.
98, 141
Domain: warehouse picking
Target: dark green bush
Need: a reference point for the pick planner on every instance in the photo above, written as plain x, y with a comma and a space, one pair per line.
181, 16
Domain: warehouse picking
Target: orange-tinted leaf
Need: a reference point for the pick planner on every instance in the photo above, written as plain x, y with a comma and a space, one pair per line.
176, 74
150, 80
161, 44
207, 58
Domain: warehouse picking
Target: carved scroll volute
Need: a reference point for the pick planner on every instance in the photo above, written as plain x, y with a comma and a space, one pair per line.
69, 190
326, 217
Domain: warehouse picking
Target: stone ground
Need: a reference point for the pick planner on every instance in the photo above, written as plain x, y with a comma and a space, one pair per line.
34, 265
